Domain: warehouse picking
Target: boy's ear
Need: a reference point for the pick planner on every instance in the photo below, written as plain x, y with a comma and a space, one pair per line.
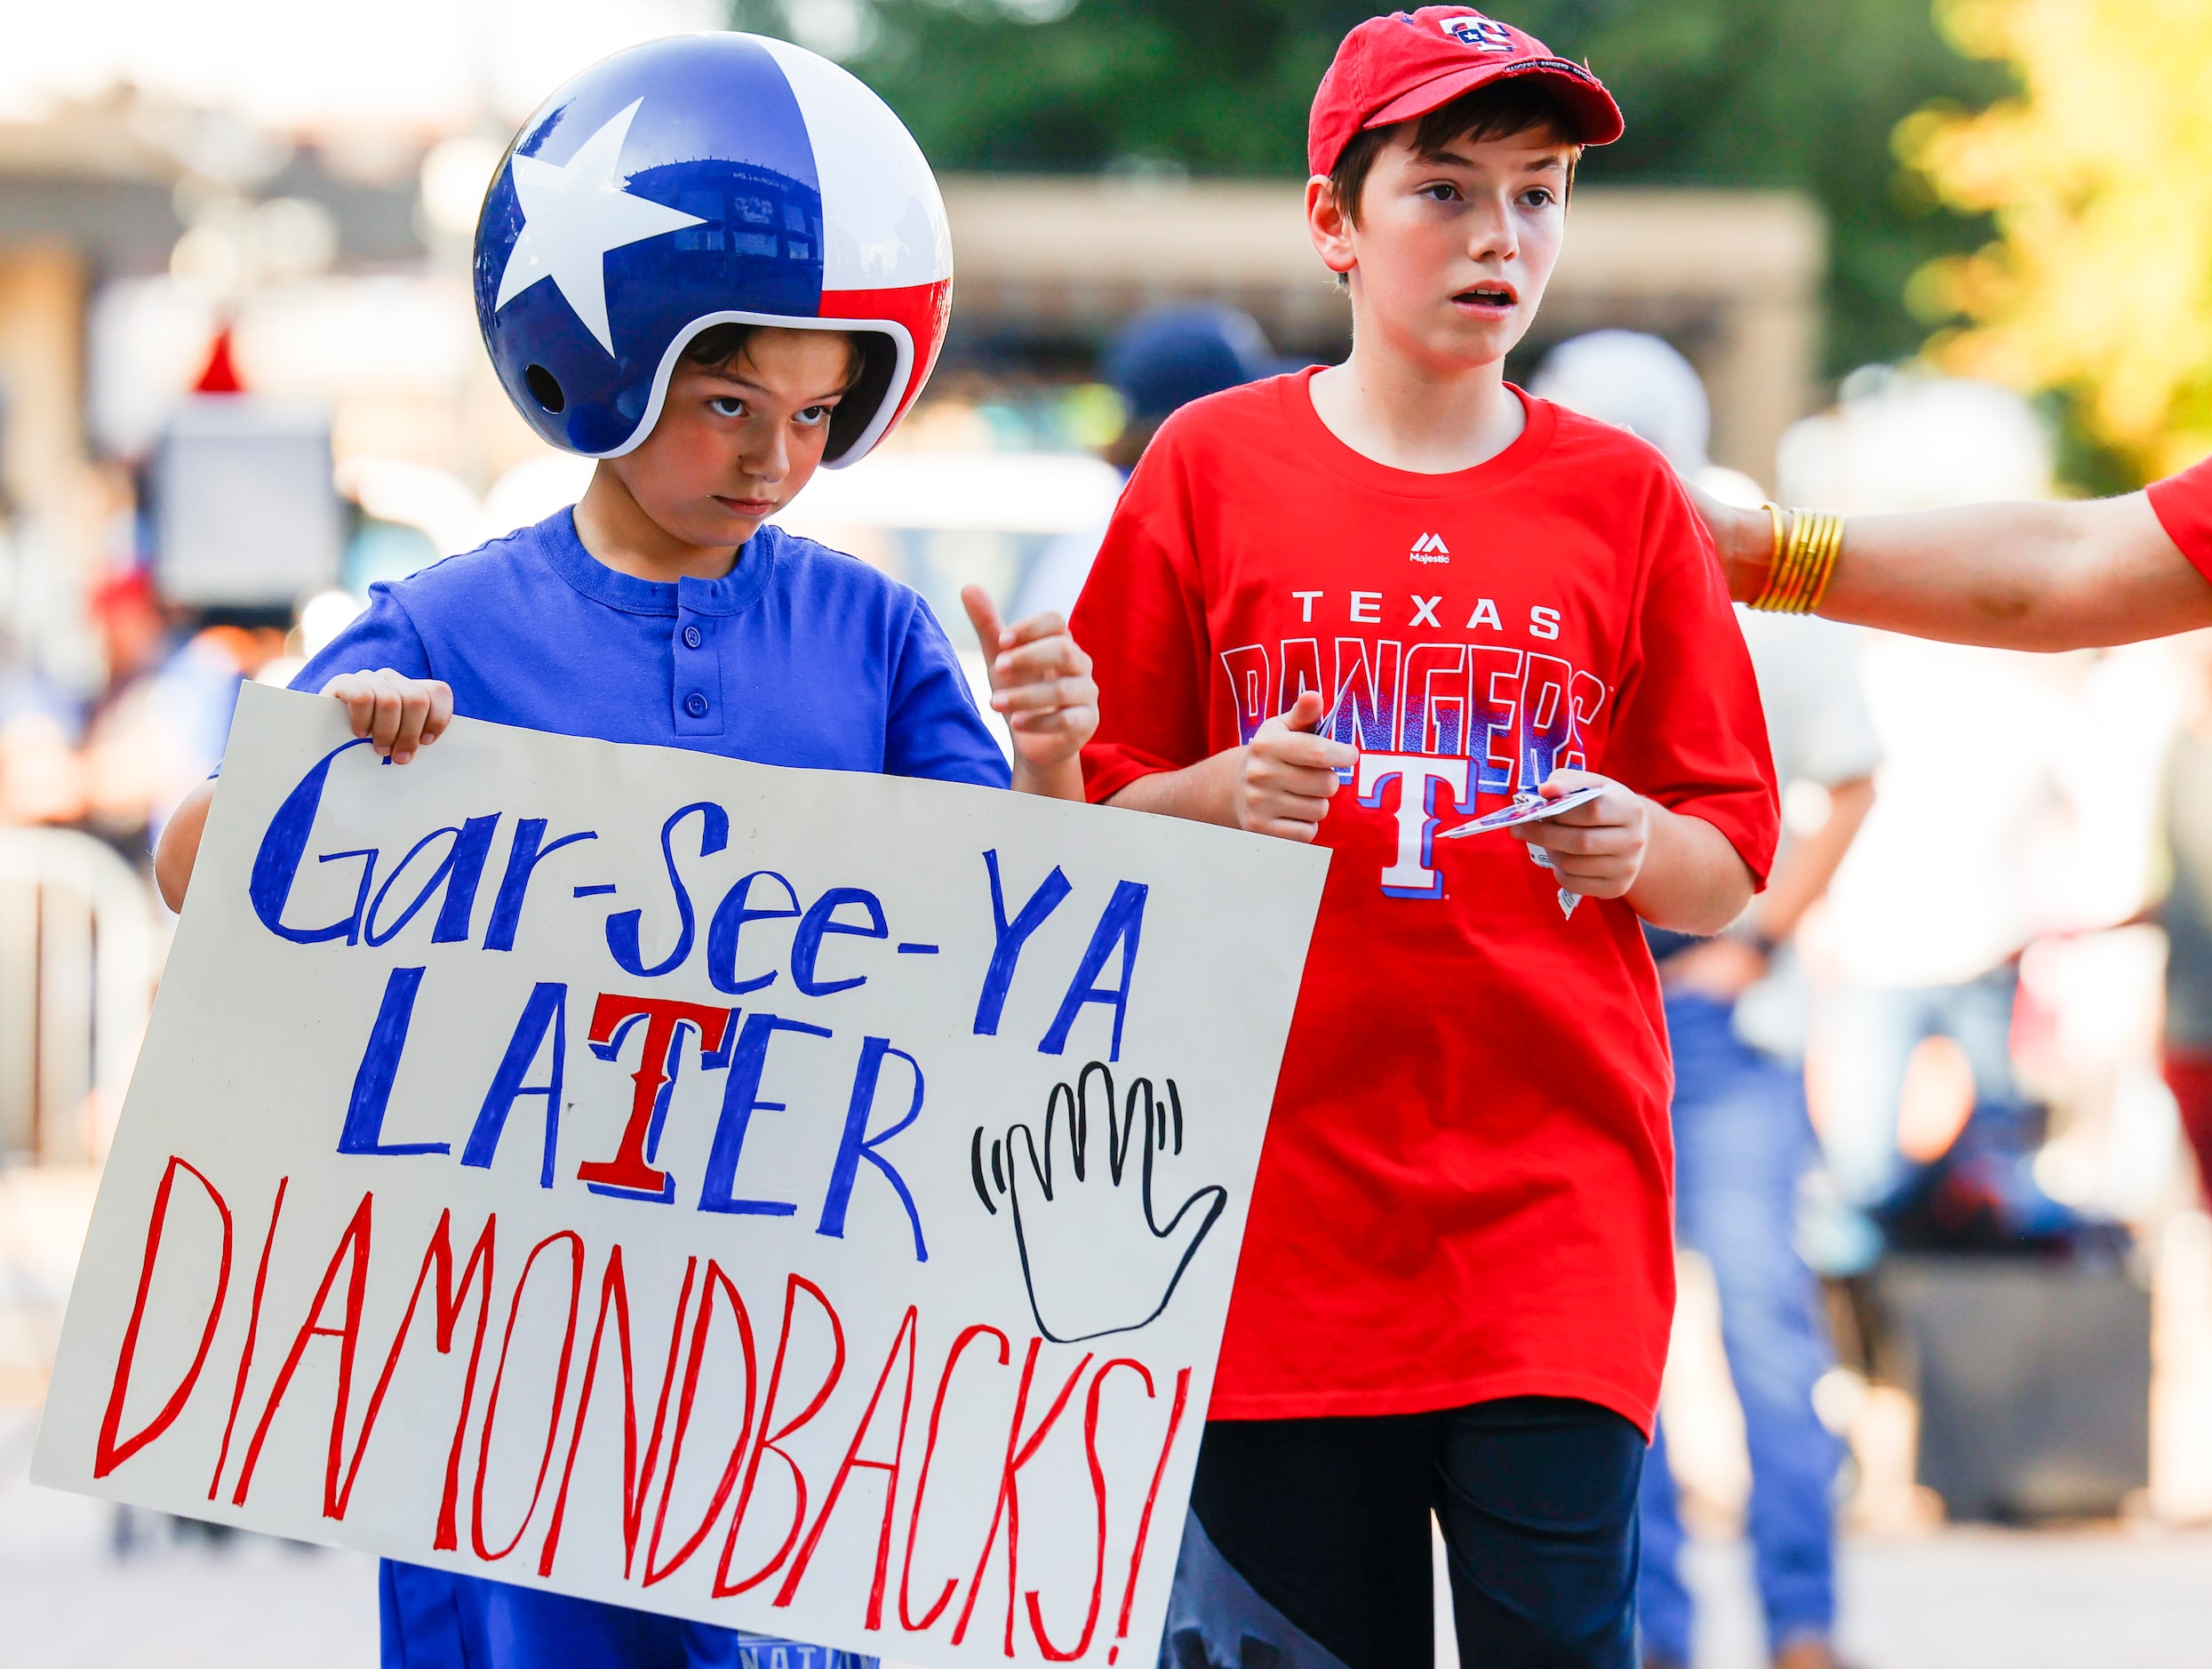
1329, 225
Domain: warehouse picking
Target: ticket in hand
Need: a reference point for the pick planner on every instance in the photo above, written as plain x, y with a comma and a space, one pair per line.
1527, 809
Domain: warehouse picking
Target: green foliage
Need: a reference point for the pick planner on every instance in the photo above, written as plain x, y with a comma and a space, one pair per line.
1800, 94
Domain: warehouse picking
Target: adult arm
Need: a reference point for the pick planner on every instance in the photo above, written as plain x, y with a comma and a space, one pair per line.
2010, 576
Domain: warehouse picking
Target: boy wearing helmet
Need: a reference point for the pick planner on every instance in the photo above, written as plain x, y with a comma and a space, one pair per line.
713, 263
1359, 606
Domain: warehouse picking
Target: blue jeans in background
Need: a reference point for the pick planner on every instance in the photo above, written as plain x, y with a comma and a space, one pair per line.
1867, 1038
1742, 1140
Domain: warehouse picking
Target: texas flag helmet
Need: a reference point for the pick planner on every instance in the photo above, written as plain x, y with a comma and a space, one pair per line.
700, 181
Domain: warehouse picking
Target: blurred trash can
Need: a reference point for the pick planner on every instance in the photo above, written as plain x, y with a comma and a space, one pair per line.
2034, 1379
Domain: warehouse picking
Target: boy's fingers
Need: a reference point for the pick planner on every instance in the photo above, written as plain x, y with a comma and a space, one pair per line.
1317, 785
414, 713
1060, 722
1049, 623
359, 702
1040, 658
1605, 840
1043, 695
1305, 712
1312, 753
1301, 807
441, 709
384, 725
983, 616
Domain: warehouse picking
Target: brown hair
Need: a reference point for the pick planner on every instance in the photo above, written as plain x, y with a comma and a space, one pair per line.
870, 359
718, 345
1496, 110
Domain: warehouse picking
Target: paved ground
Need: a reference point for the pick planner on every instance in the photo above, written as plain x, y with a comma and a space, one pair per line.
1959, 1599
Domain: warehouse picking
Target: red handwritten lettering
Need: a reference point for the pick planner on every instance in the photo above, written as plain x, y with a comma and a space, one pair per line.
628, 1168
1053, 1654
446, 1303
110, 1453
921, 1487
636, 1485
1019, 1452
907, 1336
729, 1478
353, 1252
1151, 1498
253, 1329
772, 1442
560, 1391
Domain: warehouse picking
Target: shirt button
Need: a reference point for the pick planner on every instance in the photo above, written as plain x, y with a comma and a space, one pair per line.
695, 704
692, 638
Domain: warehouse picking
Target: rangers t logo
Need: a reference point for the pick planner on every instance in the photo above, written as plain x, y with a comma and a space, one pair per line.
1481, 33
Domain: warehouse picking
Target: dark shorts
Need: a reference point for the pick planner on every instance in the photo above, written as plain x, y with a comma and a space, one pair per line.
1308, 1545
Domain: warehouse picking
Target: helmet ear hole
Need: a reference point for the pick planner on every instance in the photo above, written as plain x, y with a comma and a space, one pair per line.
879, 358
544, 388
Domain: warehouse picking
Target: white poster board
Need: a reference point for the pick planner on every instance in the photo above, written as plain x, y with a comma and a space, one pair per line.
800, 1201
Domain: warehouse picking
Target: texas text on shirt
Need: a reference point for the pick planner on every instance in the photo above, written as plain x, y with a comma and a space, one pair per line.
1465, 1191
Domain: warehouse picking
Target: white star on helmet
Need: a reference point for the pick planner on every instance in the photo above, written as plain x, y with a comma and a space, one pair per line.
573, 215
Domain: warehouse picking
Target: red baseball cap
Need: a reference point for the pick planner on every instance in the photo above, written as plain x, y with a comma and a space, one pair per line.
1398, 68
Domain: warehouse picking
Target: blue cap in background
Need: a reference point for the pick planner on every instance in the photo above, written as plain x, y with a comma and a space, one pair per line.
1169, 356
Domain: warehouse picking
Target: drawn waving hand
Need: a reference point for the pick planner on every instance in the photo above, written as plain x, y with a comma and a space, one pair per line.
1096, 1256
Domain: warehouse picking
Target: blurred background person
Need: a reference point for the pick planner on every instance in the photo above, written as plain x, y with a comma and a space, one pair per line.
1159, 362
1737, 1014
1927, 944
2184, 910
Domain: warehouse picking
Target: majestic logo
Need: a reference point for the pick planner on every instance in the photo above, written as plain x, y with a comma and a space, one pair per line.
1429, 548
1478, 32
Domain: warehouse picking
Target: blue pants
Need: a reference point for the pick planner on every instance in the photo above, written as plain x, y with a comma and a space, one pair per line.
1869, 1037
1308, 1546
1742, 1140
432, 1620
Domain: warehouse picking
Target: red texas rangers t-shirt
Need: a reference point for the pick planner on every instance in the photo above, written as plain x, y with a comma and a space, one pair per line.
1465, 1192
2183, 504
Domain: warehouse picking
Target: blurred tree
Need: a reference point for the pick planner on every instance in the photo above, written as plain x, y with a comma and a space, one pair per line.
2100, 179
1802, 93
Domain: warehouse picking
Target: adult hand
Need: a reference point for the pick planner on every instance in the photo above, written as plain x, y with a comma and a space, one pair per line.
1041, 682
1288, 774
398, 713
1598, 848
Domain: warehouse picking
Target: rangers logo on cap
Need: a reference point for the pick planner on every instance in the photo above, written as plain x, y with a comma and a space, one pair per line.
1483, 34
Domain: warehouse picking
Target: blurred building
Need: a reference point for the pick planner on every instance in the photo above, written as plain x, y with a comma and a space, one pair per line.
1048, 267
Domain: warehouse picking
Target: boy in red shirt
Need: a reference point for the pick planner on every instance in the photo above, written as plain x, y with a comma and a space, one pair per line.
1364, 606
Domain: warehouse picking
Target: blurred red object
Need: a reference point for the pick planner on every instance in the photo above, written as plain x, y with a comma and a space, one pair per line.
219, 375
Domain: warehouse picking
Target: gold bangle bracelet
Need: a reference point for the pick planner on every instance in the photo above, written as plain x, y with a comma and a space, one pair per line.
1774, 552
1830, 550
1801, 579
1805, 531
1780, 563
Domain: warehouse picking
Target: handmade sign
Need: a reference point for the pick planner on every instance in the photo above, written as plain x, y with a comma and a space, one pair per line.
796, 1199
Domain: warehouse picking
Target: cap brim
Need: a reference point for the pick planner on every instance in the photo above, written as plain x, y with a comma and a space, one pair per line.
1597, 118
